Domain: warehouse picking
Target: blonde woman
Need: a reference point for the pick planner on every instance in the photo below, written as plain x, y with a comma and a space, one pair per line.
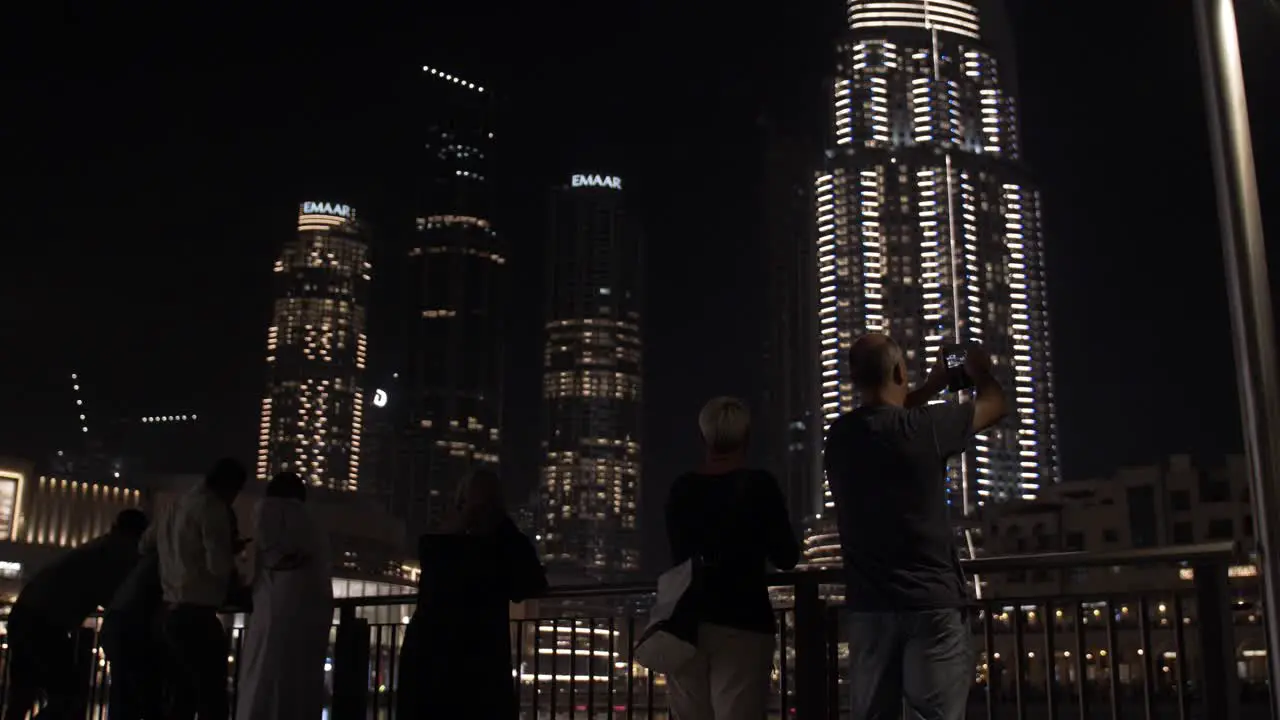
735, 519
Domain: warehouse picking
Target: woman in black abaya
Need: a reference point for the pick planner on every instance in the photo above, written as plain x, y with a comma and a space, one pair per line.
456, 657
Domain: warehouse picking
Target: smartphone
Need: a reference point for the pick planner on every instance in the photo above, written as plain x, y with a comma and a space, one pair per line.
957, 378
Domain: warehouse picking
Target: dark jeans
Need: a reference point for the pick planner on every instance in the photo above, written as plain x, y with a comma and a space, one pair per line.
198, 645
41, 663
138, 660
923, 658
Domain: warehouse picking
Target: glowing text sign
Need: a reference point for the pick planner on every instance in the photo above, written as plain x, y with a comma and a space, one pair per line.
379, 398
604, 181
318, 208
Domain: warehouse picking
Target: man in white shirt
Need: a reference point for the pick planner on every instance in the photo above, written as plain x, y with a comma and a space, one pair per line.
197, 546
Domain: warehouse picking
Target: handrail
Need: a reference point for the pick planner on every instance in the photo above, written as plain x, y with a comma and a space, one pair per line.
1224, 551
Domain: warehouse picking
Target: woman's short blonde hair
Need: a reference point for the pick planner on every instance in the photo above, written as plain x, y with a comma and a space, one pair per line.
725, 423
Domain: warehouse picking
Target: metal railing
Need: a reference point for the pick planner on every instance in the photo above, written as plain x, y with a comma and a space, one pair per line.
1159, 652
1147, 652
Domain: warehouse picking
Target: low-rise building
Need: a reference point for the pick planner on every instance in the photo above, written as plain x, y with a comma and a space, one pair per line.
42, 516
1178, 502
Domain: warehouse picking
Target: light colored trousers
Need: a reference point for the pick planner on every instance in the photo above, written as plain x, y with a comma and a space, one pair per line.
728, 678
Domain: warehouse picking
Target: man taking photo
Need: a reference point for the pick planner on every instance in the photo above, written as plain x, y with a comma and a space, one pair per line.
886, 465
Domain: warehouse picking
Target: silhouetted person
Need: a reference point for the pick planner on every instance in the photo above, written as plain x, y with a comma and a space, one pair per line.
456, 658
735, 520
132, 642
197, 546
287, 639
886, 464
53, 605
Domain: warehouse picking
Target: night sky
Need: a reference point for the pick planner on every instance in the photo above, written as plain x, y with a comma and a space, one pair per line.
154, 163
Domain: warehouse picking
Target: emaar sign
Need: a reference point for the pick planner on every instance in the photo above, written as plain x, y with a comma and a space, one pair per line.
318, 208
604, 181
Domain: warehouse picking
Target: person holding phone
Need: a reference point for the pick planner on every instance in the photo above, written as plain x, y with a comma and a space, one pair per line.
886, 464
196, 544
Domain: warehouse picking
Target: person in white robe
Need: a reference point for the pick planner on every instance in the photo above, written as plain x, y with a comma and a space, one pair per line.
287, 638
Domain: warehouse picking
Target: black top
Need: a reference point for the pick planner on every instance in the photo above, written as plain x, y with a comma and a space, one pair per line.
735, 522
460, 570
460, 634
886, 467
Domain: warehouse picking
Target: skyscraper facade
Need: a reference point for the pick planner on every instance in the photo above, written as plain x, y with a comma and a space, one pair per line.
317, 347
592, 384
450, 411
929, 228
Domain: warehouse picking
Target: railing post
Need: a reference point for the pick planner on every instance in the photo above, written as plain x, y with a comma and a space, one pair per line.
812, 673
1217, 640
84, 640
350, 666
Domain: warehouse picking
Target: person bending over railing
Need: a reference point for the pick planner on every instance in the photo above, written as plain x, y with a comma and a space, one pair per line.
50, 608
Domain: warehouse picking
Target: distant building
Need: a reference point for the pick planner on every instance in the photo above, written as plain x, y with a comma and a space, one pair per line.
317, 347
450, 408
41, 516
1174, 503
592, 382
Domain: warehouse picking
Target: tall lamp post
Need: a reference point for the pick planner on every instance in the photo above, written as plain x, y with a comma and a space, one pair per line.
1248, 291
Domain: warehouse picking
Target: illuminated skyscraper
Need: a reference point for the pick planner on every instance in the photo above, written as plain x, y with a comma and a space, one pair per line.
929, 227
451, 405
592, 387
312, 413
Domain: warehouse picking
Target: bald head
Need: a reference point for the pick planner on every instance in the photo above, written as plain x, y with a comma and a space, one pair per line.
874, 360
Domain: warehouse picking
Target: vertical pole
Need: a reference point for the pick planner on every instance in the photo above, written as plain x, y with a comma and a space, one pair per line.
351, 666
1217, 641
812, 673
1248, 291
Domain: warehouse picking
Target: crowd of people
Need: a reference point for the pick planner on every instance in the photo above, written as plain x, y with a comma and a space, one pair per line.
164, 585
164, 588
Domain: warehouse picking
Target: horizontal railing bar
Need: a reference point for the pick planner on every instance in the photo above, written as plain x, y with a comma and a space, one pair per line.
1204, 552
1190, 554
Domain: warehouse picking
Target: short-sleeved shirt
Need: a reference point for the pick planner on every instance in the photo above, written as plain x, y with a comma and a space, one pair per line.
886, 466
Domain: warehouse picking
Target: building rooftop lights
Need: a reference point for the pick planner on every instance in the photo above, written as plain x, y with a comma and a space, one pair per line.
451, 78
